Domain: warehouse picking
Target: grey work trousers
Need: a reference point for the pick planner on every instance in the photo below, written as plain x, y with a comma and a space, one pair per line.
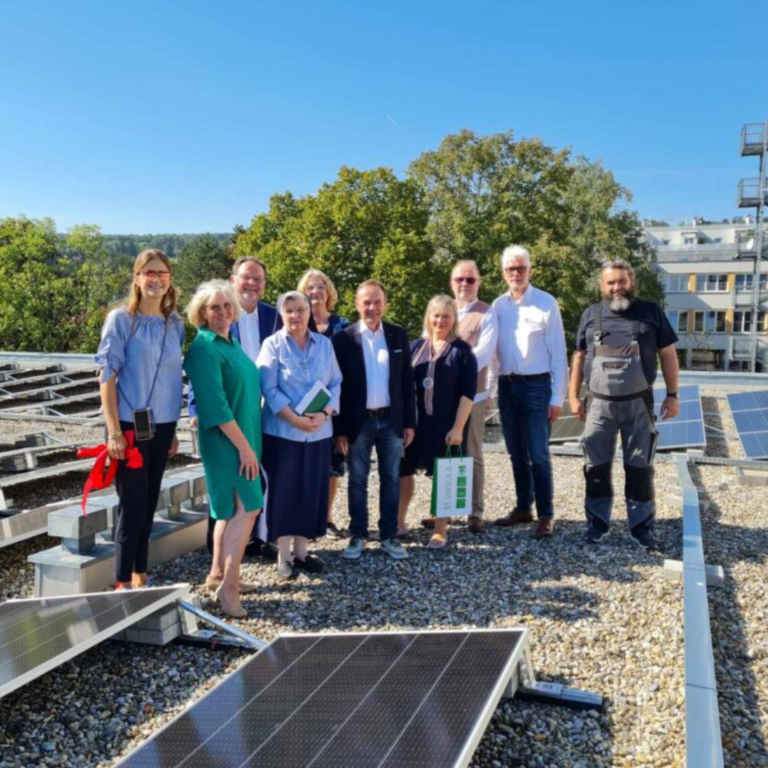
633, 420
475, 437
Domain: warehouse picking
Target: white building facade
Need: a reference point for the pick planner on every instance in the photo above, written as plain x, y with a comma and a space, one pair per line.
707, 271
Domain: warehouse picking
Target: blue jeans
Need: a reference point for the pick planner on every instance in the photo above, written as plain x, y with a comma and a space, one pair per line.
377, 431
524, 409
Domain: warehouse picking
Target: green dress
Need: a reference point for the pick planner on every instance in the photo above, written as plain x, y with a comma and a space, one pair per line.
226, 384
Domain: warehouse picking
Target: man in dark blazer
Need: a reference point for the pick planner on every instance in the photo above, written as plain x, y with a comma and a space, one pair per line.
257, 321
378, 408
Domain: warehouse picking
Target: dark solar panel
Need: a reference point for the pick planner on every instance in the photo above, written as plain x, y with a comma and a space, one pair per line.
40, 634
750, 414
344, 701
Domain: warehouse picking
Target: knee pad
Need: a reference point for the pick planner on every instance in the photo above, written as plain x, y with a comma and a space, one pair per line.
598, 479
639, 483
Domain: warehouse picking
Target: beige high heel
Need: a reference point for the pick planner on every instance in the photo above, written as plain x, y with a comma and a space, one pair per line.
233, 610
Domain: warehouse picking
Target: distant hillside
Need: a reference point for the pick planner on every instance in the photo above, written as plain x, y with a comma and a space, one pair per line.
132, 245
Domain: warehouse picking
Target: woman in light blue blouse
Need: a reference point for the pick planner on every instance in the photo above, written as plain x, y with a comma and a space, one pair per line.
297, 447
140, 375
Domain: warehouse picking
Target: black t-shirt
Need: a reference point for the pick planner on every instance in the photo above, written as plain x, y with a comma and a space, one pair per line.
655, 333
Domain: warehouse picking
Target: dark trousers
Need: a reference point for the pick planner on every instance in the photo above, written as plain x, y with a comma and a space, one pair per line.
139, 490
524, 409
377, 432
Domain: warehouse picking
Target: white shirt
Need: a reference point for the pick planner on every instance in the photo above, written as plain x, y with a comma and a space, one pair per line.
531, 339
376, 356
486, 344
250, 338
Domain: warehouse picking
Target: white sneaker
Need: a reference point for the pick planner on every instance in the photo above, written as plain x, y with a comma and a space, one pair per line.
394, 549
354, 550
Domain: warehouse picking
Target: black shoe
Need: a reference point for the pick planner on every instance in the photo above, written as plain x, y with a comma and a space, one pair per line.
310, 564
334, 532
269, 553
594, 536
261, 550
253, 548
643, 539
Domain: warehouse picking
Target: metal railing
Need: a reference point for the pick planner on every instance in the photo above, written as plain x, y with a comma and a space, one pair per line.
754, 136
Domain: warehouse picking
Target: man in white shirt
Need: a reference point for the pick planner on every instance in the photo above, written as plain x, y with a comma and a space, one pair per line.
532, 380
378, 409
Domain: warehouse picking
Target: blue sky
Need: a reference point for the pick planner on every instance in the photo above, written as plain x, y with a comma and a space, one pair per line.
186, 116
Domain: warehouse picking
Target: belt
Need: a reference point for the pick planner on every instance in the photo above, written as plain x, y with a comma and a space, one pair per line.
525, 376
621, 398
376, 411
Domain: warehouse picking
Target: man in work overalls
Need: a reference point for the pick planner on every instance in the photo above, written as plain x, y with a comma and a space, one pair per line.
616, 348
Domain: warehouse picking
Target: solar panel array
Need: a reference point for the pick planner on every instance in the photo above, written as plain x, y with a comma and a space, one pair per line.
686, 430
38, 635
386, 699
750, 414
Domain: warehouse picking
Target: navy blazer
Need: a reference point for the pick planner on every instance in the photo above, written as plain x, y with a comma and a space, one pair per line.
267, 322
354, 388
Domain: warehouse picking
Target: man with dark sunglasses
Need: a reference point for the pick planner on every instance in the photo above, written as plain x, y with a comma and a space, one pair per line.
479, 328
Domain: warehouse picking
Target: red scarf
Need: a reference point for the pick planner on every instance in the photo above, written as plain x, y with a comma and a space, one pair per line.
99, 478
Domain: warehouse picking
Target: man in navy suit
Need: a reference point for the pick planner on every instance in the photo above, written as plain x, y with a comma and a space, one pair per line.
378, 408
257, 321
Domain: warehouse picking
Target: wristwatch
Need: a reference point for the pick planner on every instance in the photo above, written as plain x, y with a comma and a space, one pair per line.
672, 394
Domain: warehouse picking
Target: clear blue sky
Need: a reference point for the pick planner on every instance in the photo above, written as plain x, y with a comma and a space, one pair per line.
186, 116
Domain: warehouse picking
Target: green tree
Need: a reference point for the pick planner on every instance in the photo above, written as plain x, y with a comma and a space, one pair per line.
366, 224
204, 258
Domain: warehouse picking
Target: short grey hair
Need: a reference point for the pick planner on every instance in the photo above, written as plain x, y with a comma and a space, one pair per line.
618, 264
515, 252
203, 296
293, 296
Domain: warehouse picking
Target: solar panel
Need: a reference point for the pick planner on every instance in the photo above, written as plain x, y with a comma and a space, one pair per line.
750, 414
391, 700
39, 634
686, 430
567, 427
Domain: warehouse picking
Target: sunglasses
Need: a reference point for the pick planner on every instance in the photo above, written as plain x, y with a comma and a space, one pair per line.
512, 270
151, 274
467, 280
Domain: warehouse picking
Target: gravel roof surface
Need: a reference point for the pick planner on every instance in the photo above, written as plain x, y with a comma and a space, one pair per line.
603, 619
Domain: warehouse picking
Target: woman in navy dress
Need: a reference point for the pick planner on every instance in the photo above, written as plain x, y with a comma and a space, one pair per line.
445, 372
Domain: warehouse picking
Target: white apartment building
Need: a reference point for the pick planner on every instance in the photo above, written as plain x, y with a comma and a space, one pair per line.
707, 271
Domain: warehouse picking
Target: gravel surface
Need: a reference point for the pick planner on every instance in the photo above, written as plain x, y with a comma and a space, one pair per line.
602, 618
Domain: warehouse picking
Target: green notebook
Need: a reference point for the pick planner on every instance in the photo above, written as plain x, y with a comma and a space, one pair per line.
315, 400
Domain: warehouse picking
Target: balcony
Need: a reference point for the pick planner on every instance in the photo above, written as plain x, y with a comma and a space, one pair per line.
746, 245
750, 193
754, 139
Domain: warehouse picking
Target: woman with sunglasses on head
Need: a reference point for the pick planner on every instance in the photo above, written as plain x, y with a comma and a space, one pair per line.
141, 389
323, 297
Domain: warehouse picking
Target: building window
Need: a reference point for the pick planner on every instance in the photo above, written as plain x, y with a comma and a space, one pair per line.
742, 321
717, 240
698, 322
689, 241
665, 241
677, 284
715, 322
744, 282
711, 283
682, 323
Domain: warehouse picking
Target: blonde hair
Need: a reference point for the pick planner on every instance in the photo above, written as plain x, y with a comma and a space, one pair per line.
168, 304
332, 296
203, 295
441, 301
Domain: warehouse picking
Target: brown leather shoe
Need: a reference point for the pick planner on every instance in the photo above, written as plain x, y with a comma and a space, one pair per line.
515, 517
545, 529
475, 524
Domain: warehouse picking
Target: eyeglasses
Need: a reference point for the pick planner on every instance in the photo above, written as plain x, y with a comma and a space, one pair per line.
156, 274
512, 270
248, 279
467, 280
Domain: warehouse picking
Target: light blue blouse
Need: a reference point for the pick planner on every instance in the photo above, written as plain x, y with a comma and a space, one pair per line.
134, 353
288, 373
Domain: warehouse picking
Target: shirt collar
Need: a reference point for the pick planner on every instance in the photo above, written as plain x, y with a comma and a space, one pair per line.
468, 307
526, 298
212, 336
364, 329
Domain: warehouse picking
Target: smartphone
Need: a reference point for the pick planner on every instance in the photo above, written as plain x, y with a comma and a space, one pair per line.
142, 424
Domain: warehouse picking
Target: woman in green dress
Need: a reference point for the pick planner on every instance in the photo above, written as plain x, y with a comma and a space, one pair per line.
228, 394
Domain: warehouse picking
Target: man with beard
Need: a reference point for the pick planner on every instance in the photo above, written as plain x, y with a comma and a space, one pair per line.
617, 344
